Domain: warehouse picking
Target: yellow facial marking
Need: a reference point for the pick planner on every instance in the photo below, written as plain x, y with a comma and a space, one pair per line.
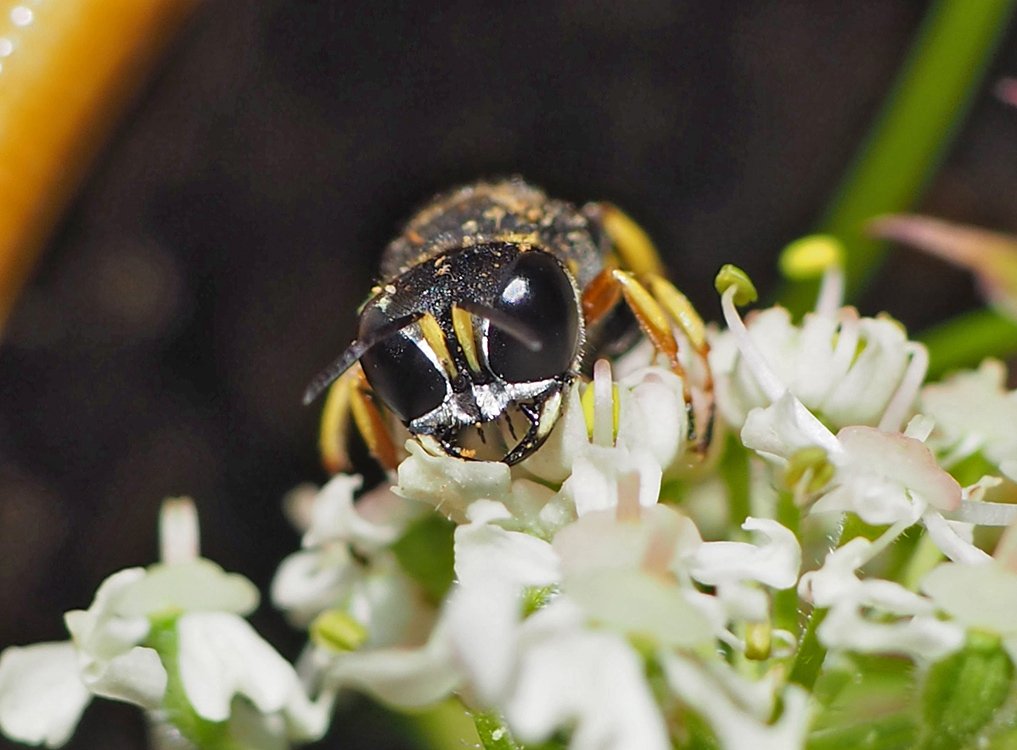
435, 339
462, 323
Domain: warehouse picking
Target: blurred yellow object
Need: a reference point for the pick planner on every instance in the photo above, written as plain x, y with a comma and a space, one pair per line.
68, 69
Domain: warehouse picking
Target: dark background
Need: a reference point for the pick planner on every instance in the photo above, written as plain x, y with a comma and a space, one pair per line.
213, 261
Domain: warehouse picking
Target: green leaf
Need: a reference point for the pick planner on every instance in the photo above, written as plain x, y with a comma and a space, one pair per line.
966, 340
425, 552
963, 692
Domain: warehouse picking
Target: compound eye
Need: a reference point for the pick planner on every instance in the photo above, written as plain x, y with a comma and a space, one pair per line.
540, 296
403, 376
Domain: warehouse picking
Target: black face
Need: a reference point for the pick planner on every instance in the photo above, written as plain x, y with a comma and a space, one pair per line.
403, 376
526, 330
538, 295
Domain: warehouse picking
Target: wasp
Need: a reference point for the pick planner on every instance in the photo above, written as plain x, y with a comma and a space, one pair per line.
492, 301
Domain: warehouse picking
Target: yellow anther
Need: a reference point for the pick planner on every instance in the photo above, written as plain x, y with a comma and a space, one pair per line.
335, 630
651, 316
812, 462
758, 641
333, 436
462, 324
732, 276
588, 402
809, 257
680, 309
633, 245
435, 339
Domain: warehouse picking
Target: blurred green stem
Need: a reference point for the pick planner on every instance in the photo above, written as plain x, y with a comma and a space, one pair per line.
930, 98
966, 340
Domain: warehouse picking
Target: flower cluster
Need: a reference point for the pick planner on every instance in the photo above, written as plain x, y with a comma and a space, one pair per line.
628, 585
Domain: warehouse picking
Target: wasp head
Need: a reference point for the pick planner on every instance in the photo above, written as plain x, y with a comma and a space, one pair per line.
480, 342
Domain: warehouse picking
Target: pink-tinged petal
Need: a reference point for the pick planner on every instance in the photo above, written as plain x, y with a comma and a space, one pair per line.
902, 461
990, 255
599, 541
221, 656
637, 604
41, 693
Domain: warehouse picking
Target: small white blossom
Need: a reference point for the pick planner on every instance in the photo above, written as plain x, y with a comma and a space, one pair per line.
846, 369
218, 654
346, 564
739, 711
981, 595
873, 615
974, 413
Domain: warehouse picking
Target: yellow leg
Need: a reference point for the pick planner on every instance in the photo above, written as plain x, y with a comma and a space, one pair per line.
349, 397
633, 245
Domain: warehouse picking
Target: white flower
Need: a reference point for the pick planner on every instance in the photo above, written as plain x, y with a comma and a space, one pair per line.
41, 693
739, 711
218, 654
981, 595
638, 427
973, 412
346, 563
873, 615
846, 369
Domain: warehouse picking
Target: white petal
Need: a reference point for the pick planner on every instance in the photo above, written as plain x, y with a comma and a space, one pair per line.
373, 522
220, 656
404, 677
593, 681
310, 581
785, 427
488, 554
482, 624
950, 542
774, 563
136, 676
652, 414
920, 637
639, 604
98, 631
735, 725
196, 586
979, 595
658, 540
41, 693
450, 484
178, 530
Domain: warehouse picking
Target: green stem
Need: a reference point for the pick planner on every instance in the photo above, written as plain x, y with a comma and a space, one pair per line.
493, 733
930, 98
811, 653
785, 602
966, 340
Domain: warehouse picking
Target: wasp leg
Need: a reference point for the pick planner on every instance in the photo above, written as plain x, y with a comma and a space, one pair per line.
633, 246
660, 309
350, 396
